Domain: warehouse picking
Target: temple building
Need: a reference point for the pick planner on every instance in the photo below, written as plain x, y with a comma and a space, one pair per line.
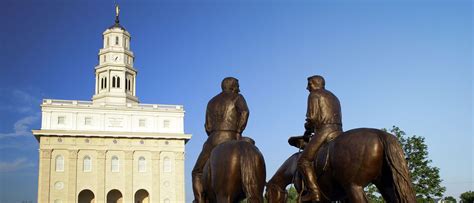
113, 148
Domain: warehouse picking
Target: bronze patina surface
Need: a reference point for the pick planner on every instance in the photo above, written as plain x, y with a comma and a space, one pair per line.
341, 163
229, 167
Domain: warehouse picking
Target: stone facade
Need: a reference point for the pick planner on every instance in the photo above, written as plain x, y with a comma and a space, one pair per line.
111, 149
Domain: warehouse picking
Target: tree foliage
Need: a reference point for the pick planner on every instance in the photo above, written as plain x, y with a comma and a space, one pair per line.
450, 199
292, 195
425, 178
467, 197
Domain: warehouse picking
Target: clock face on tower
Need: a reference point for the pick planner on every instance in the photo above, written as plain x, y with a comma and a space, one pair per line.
116, 58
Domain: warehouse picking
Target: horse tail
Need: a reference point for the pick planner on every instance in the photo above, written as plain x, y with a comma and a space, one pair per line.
395, 159
252, 171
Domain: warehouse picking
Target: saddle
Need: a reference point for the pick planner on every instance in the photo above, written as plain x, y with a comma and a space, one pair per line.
321, 161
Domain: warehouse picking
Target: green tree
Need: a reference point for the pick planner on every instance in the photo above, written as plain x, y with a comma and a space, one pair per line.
373, 194
425, 178
450, 199
467, 197
292, 195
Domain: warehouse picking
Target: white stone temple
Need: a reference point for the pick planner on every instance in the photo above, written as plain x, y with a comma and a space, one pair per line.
113, 148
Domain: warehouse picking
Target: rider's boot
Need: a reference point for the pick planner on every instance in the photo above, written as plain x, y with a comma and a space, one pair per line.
312, 189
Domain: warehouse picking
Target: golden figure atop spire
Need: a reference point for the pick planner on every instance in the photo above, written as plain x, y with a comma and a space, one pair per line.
117, 10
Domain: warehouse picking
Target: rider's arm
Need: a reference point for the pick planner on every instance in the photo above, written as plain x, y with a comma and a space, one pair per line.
243, 110
311, 114
208, 124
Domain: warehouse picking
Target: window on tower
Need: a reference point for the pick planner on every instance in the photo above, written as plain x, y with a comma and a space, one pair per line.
107, 41
126, 84
116, 40
118, 82
113, 81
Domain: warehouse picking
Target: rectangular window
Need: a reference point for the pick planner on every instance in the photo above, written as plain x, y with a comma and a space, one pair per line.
115, 164
166, 124
142, 123
87, 164
59, 163
61, 120
87, 121
141, 165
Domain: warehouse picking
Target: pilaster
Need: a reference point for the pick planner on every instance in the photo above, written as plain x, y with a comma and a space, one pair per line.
44, 174
72, 177
155, 191
101, 177
179, 160
128, 166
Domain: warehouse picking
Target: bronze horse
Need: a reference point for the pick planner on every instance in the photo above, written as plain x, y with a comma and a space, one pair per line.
235, 171
345, 165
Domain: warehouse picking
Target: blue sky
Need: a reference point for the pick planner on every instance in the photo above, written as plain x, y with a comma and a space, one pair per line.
403, 63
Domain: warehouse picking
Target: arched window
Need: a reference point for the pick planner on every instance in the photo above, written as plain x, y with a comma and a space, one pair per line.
126, 43
113, 81
107, 41
167, 165
126, 83
59, 163
118, 82
129, 86
87, 164
105, 82
115, 164
141, 164
116, 40
102, 83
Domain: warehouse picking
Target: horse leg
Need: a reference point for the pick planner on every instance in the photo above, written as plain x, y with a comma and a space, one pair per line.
385, 186
356, 194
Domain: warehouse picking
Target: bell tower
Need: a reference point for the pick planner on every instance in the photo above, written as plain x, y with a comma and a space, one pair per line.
115, 76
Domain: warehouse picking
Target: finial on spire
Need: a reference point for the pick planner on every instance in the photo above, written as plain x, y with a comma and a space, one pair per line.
117, 12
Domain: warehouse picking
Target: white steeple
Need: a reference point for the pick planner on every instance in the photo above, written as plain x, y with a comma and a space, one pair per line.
115, 76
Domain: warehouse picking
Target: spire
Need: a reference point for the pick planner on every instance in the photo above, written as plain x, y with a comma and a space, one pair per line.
117, 21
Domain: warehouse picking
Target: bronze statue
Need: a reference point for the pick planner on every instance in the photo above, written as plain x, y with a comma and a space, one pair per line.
226, 118
323, 118
345, 165
342, 163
